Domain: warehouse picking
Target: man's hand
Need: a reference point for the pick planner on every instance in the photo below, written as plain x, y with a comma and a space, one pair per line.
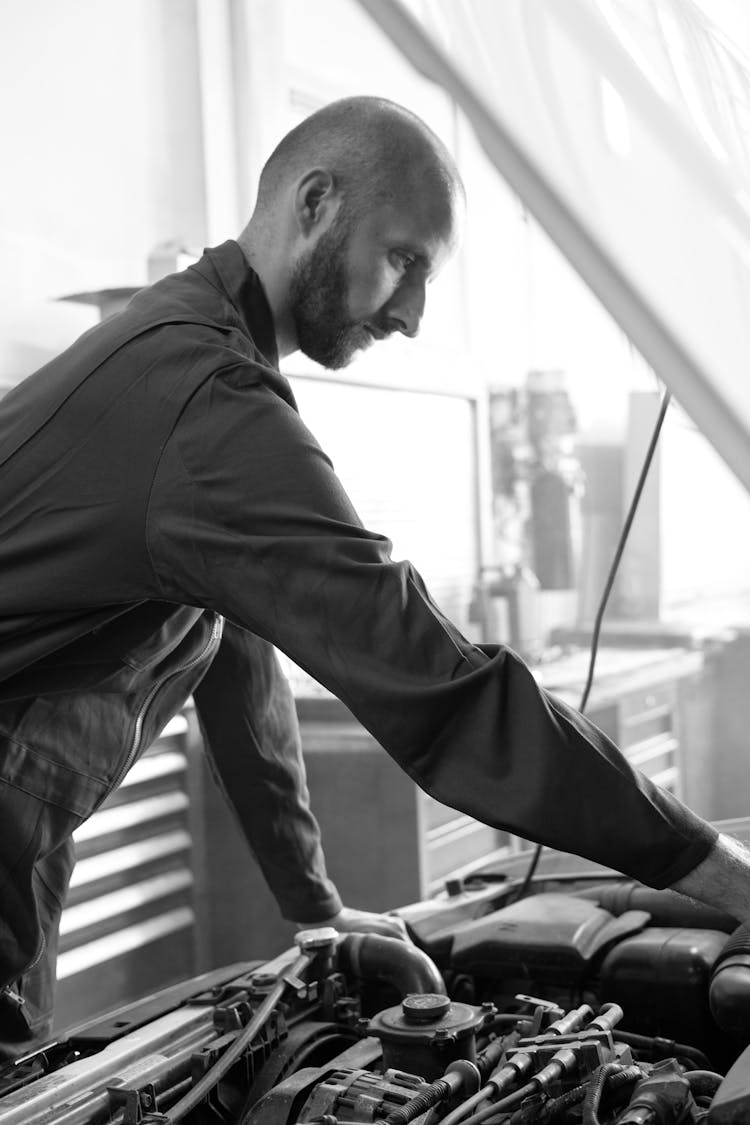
722, 879
348, 920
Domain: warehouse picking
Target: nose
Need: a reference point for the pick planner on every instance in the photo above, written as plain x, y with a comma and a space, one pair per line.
406, 307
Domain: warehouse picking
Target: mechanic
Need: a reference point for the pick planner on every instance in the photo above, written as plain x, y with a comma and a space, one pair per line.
166, 519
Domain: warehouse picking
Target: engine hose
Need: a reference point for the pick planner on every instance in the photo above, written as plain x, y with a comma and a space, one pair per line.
663, 1048
703, 1083
729, 991
435, 1093
404, 966
737, 942
612, 1074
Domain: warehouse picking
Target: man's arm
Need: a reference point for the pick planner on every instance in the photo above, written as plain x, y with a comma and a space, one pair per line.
722, 879
273, 542
249, 725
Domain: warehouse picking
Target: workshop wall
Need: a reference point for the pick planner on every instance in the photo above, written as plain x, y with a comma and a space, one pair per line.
131, 124
99, 128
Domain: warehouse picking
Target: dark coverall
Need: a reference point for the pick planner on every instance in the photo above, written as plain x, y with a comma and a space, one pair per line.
158, 482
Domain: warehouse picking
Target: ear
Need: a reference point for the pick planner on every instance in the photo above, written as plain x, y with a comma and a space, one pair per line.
316, 200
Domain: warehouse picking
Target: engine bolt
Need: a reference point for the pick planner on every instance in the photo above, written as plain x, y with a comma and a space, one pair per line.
262, 980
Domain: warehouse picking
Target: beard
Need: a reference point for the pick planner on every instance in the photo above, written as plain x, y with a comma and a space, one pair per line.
317, 299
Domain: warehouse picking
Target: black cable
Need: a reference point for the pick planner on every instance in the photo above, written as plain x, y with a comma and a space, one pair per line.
244, 1038
661, 1048
611, 1073
621, 543
556, 1107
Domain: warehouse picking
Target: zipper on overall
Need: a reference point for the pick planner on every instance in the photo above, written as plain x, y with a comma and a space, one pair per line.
15, 997
135, 745
213, 639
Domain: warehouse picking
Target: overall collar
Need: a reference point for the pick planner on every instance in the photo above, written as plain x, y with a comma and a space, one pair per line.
244, 290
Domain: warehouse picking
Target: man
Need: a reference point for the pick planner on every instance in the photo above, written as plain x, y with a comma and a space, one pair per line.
166, 517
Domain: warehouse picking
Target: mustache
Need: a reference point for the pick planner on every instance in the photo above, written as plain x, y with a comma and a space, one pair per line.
377, 331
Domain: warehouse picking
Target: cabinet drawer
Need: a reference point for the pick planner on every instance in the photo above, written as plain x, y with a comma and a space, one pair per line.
654, 755
131, 896
655, 699
647, 714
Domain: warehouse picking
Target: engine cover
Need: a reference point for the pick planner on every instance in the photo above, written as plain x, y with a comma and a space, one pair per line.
547, 937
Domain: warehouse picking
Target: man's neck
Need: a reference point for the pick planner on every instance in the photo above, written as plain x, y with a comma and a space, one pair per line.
266, 266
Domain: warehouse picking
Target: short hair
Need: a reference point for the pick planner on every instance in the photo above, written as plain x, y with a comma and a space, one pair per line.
369, 145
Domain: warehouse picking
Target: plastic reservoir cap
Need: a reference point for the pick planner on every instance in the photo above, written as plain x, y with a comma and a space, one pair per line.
425, 1007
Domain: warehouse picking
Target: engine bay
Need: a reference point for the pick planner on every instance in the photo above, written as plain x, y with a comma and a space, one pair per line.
593, 1000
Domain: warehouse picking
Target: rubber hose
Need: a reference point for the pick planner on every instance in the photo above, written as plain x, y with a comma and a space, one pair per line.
400, 963
663, 1048
729, 991
611, 1071
703, 1083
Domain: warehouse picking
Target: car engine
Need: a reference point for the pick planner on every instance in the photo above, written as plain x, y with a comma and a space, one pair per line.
590, 1000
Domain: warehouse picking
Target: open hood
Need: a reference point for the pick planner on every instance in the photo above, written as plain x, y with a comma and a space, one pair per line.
624, 126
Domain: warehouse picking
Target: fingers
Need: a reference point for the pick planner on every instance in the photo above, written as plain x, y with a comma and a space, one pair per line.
398, 926
389, 925
350, 920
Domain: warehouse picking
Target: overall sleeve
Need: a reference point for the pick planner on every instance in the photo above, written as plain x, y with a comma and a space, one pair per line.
248, 517
249, 723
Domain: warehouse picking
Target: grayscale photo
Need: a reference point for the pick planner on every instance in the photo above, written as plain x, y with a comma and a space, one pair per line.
375, 562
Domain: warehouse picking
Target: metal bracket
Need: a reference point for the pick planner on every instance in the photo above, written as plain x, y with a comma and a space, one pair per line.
138, 1103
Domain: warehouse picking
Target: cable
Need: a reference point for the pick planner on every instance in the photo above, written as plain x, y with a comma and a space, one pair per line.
619, 550
510, 1101
464, 1109
666, 399
556, 1107
664, 1048
613, 1073
257, 1021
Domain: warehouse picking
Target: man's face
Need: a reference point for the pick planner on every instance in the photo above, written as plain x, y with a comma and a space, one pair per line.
365, 278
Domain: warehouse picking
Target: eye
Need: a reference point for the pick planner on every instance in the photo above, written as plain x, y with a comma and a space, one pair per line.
402, 259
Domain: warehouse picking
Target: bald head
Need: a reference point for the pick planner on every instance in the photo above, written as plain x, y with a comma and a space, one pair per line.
376, 151
358, 209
